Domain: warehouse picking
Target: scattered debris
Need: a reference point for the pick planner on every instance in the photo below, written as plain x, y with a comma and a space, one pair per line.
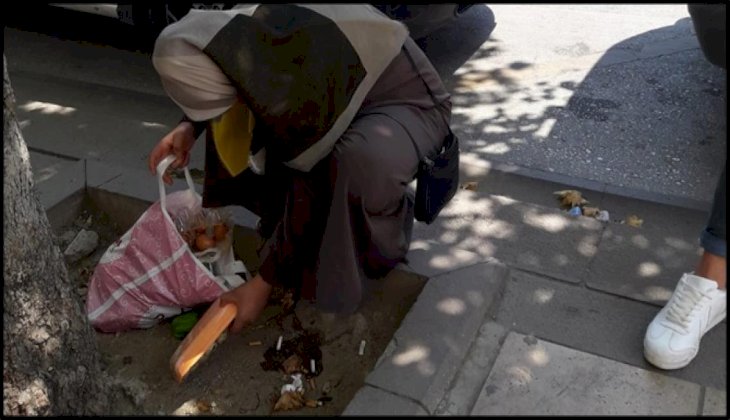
312, 384
575, 211
591, 211
603, 216
292, 365
633, 220
313, 403
127, 360
278, 343
471, 186
306, 346
197, 406
296, 386
255, 343
290, 401
362, 348
203, 406
292, 395
312, 366
570, 198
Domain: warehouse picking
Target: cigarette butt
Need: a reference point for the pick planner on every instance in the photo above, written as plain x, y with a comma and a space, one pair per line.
278, 343
255, 343
311, 365
362, 348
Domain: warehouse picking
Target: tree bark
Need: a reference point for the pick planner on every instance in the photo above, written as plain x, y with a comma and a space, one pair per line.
51, 363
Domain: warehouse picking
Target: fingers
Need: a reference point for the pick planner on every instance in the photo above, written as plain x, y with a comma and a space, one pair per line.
238, 324
227, 298
158, 153
242, 319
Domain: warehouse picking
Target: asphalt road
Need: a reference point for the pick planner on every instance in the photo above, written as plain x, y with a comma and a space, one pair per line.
619, 94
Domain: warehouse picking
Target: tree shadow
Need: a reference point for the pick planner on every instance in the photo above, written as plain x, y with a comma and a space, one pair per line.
648, 115
650, 109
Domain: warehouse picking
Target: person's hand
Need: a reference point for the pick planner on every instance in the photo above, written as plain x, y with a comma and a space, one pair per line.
250, 299
177, 142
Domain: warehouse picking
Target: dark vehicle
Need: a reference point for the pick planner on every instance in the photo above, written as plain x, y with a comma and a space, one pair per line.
709, 24
152, 17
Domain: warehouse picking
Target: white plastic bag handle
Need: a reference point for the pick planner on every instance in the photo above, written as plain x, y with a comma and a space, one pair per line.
161, 168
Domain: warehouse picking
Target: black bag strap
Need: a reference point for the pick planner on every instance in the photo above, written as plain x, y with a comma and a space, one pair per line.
428, 88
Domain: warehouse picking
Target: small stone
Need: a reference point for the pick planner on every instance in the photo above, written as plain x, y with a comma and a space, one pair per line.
83, 245
603, 216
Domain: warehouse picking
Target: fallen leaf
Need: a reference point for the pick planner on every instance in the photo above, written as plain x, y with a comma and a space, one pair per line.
634, 221
591, 211
289, 401
312, 403
203, 406
292, 365
471, 186
570, 198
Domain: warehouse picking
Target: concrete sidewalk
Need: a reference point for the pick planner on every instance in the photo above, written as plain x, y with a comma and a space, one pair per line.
527, 311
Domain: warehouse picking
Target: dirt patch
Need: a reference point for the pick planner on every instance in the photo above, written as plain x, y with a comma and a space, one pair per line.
239, 377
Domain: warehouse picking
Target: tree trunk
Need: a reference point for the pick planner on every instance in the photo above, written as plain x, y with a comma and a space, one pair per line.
51, 363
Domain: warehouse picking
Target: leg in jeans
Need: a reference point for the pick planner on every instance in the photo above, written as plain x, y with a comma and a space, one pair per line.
713, 265
699, 301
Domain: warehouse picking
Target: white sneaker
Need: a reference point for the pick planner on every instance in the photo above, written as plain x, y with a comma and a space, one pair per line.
673, 338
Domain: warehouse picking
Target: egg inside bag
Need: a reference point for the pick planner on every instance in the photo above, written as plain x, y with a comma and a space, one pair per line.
207, 231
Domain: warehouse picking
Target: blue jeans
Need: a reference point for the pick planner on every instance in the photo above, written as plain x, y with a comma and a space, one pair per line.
709, 24
712, 238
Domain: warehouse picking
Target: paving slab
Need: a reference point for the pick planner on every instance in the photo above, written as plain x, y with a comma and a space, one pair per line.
369, 401
544, 240
478, 227
464, 391
66, 180
89, 121
47, 166
646, 263
535, 377
430, 346
715, 402
600, 323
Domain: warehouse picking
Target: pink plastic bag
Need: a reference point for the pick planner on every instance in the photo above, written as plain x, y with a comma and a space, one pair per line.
150, 273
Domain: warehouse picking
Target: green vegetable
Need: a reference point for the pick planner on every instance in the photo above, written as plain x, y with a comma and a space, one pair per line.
182, 324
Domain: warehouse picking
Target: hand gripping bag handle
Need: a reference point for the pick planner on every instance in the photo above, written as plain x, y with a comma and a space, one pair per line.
161, 168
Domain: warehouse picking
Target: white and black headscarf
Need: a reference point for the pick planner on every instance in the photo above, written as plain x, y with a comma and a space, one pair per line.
303, 70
